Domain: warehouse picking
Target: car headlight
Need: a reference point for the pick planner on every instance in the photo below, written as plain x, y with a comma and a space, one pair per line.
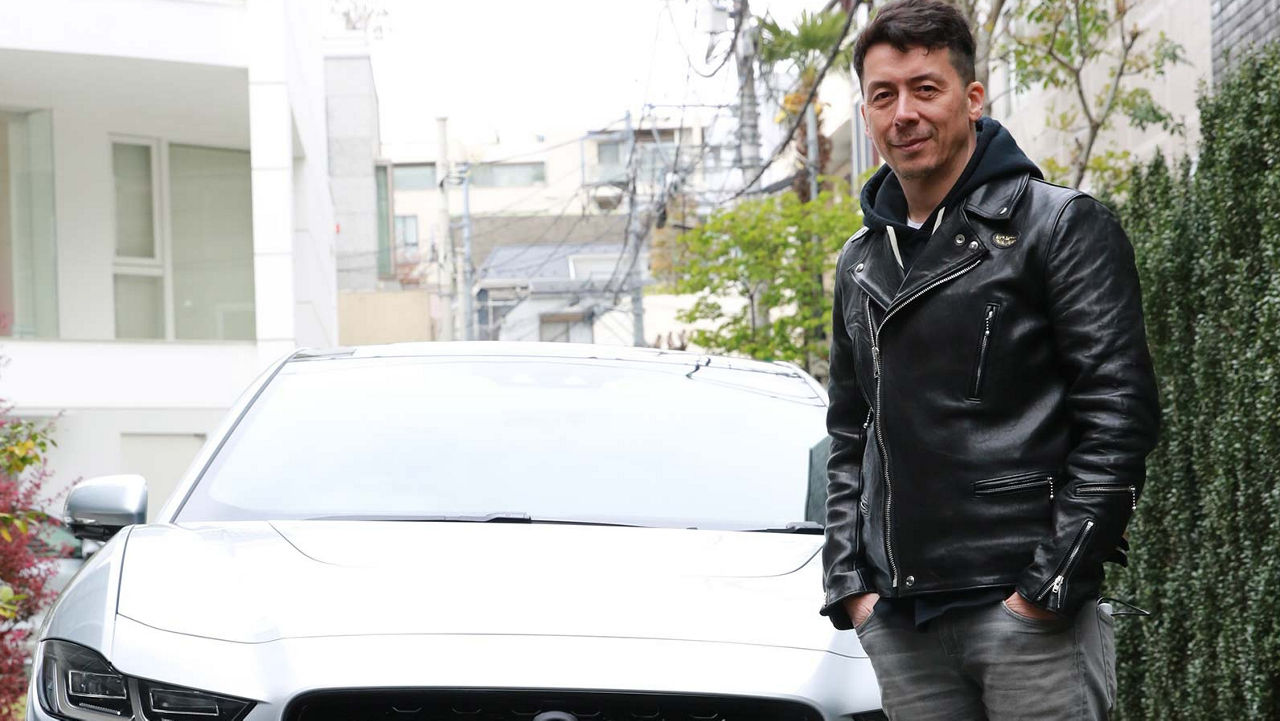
78, 684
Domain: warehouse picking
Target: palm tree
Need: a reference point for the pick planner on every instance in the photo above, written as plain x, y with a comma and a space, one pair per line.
805, 49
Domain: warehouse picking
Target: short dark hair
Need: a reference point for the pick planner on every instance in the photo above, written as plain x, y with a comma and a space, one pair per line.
930, 24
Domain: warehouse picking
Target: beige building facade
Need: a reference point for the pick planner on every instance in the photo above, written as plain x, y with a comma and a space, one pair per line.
1186, 22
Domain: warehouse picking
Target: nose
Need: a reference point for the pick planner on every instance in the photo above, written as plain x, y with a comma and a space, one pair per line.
905, 111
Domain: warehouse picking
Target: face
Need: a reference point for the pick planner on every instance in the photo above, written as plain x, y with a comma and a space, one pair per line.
919, 112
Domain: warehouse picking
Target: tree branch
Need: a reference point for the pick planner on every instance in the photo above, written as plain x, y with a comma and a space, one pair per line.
1108, 106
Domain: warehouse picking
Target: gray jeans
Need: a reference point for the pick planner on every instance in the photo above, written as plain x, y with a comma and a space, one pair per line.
987, 662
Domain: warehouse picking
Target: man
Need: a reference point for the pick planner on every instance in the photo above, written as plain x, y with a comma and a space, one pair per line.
992, 402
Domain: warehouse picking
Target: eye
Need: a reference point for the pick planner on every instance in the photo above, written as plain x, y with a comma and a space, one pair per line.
880, 97
928, 90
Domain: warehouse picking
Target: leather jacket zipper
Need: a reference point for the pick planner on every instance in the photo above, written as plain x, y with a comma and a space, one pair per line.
877, 360
1014, 484
988, 325
1057, 586
1099, 489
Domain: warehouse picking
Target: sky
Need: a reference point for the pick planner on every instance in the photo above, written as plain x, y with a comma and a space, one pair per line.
512, 70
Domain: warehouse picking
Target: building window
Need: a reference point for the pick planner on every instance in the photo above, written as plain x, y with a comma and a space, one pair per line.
564, 328
419, 176
406, 231
183, 242
655, 157
28, 249
508, 175
381, 176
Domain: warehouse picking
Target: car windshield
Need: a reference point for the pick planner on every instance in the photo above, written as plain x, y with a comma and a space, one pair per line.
645, 443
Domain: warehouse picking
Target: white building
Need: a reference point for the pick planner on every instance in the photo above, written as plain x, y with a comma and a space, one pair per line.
166, 221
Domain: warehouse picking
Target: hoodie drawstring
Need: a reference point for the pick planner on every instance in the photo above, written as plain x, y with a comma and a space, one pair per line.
893, 243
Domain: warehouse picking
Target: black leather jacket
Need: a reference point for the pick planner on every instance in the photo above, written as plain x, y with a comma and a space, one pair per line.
991, 414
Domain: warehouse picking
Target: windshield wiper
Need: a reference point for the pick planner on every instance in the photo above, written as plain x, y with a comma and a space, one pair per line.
499, 517
808, 527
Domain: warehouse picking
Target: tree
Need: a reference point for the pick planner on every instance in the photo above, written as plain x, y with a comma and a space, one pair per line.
806, 49
763, 251
24, 577
987, 20
1091, 49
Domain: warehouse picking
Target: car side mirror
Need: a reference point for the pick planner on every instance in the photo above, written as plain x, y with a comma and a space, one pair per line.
99, 507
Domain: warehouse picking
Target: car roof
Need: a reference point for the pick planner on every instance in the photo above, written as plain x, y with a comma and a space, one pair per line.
574, 351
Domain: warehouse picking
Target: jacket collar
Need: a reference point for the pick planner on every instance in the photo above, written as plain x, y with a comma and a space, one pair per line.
998, 199
877, 272
953, 245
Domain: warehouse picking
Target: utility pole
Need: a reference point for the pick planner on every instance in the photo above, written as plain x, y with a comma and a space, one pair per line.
813, 165
811, 162
468, 271
748, 110
635, 239
448, 257
749, 131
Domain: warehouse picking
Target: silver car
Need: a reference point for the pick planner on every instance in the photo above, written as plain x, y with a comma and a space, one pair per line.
547, 532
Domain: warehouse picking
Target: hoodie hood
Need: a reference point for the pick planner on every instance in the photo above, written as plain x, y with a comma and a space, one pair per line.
995, 156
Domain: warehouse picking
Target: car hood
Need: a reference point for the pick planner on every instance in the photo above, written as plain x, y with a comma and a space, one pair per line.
255, 582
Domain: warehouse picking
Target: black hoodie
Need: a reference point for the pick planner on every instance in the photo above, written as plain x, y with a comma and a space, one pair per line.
996, 156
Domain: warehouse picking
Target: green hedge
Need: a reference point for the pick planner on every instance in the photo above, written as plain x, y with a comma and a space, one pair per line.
1206, 538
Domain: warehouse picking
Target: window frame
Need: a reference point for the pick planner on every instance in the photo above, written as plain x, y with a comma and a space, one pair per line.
161, 266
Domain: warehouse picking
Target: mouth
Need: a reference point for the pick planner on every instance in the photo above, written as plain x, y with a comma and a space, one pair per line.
910, 146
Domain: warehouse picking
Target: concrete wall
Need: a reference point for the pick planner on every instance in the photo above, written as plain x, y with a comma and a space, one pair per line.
315, 288
205, 32
1238, 24
386, 316
352, 109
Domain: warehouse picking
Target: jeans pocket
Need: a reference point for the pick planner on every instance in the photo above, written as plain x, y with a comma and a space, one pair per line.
859, 627
1044, 625
1107, 633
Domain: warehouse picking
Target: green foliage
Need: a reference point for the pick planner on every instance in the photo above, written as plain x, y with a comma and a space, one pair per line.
1060, 44
23, 445
1206, 537
773, 252
807, 45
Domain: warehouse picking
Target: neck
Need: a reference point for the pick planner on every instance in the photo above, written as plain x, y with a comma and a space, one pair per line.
925, 193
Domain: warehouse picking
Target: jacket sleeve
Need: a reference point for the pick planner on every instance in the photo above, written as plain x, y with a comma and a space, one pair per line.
1095, 309
842, 558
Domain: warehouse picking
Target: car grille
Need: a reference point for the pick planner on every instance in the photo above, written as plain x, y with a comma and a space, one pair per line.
532, 705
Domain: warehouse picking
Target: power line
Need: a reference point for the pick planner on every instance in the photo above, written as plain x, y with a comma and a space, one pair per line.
813, 92
689, 58
563, 212
571, 141
536, 151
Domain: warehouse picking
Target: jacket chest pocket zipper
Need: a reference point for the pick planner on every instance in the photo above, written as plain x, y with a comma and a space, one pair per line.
1109, 489
1057, 586
990, 316
1014, 484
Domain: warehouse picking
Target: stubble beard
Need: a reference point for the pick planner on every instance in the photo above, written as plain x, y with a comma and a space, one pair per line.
922, 172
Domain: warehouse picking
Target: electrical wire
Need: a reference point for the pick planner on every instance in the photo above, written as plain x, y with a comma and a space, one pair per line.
530, 244
733, 44
813, 92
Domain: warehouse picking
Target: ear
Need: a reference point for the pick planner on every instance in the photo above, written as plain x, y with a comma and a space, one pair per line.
976, 95
866, 127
